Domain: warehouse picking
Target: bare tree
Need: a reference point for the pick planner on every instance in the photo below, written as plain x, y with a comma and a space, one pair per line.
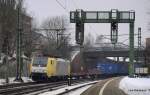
58, 37
8, 32
99, 39
8, 22
8, 26
89, 41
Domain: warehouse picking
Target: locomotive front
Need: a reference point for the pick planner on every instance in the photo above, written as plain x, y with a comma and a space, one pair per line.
39, 68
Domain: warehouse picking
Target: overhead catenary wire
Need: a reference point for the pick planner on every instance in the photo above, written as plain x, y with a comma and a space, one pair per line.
122, 35
62, 6
65, 7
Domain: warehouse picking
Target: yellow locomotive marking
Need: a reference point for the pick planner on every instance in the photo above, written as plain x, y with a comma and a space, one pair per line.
51, 67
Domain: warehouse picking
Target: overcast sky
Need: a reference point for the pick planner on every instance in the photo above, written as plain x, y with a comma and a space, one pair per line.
41, 9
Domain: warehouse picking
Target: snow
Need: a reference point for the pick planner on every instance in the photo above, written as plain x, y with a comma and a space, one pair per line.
135, 86
27, 79
11, 80
2, 81
77, 92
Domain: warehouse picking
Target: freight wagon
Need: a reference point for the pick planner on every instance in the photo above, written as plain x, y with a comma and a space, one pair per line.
112, 69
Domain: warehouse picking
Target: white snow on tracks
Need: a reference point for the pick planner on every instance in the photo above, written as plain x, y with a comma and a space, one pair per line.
76, 92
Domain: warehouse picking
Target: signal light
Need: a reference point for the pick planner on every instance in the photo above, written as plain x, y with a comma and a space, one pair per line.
79, 33
79, 27
114, 32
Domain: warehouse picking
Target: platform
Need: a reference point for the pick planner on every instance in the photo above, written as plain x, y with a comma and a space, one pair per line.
105, 87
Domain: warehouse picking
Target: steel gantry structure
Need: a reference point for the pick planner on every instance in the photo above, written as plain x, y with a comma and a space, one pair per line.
113, 17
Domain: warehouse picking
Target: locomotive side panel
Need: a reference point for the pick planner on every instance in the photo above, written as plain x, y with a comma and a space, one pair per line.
51, 67
61, 67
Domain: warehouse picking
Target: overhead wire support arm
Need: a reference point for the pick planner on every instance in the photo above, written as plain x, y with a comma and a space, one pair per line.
62, 6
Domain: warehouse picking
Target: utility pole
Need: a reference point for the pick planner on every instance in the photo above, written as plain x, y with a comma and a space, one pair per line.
139, 43
19, 42
0, 40
7, 62
57, 42
139, 38
131, 52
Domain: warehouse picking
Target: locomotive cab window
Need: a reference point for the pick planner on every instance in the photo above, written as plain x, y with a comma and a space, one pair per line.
41, 61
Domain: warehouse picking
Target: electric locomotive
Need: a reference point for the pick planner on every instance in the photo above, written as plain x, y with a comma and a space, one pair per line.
48, 68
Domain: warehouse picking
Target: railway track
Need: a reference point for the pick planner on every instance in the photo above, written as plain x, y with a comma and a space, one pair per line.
16, 84
26, 88
67, 91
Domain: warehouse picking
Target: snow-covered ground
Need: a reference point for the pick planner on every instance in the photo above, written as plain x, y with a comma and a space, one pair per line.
77, 92
11, 80
135, 86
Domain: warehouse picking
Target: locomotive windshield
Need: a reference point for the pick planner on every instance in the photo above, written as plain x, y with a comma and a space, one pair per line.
40, 61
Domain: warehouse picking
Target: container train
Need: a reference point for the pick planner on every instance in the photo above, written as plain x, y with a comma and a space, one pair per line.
57, 68
47, 68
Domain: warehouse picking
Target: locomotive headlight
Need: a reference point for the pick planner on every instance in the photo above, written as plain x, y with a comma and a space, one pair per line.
34, 70
45, 71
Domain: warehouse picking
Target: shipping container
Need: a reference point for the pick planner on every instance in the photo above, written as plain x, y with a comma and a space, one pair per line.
113, 68
122, 68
